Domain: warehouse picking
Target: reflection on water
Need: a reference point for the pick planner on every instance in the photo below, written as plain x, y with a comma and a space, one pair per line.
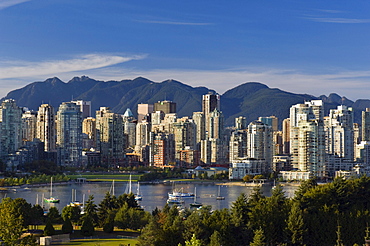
154, 195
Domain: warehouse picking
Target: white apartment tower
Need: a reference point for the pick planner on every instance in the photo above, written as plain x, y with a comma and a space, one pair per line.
307, 137
69, 133
259, 142
339, 133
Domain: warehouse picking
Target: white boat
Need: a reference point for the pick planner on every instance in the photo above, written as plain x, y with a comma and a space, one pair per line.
219, 197
138, 196
175, 201
195, 204
51, 199
180, 194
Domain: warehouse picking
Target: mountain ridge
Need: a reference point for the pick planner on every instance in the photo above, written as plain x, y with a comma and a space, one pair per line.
250, 99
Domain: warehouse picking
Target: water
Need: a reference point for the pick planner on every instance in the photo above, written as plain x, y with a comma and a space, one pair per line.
154, 195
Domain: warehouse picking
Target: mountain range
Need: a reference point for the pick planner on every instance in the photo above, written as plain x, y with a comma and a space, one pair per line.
251, 99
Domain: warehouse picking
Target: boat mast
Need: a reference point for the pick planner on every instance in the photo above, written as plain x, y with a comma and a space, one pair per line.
129, 186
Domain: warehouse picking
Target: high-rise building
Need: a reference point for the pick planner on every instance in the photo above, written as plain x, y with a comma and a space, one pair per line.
89, 128
85, 107
199, 121
29, 119
286, 136
237, 145
167, 107
216, 124
45, 127
69, 133
339, 133
142, 135
270, 121
10, 126
240, 123
311, 149
366, 125
110, 136
302, 113
162, 150
185, 136
210, 102
144, 110
259, 142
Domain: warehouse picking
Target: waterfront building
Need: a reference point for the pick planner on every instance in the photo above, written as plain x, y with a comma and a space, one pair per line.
247, 166
259, 142
311, 153
69, 134
237, 145
302, 113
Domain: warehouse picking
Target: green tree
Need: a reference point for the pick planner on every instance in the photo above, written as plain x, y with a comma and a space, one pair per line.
109, 203
72, 212
11, 222
90, 210
193, 241
215, 239
49, 229
67, 225
259, 238
87, 228
54, 215
296, 224
108, 224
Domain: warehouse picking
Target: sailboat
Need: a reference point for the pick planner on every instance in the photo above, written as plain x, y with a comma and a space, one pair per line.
219, 197
111, 190
51, 199
195, 204
138, 196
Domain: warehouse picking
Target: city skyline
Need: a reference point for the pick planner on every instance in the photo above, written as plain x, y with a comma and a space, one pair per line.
310, 47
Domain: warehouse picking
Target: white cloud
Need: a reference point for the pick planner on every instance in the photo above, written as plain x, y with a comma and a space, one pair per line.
339, 20
8, 3
37, 69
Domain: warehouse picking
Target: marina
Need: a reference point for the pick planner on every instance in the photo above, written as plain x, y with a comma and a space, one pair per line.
153, 195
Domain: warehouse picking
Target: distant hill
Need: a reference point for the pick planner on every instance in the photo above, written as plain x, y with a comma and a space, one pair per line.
250, 99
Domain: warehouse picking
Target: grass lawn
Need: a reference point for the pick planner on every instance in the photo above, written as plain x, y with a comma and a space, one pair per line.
103, 242
106, 177
100, 238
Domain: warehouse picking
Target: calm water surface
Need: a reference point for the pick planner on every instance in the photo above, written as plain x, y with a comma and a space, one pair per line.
154, 195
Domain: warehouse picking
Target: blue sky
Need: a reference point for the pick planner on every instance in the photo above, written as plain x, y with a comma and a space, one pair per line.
315, 47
